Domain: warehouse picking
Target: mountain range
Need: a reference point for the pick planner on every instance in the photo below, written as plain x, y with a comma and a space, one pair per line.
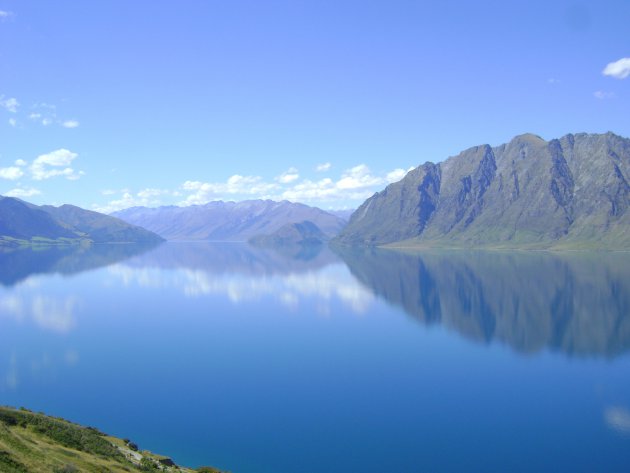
228, 221
23, 223
571, 192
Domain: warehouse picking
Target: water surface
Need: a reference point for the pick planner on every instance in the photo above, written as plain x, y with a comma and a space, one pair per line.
303, 360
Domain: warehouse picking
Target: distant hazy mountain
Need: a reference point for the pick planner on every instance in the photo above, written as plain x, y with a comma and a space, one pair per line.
571, 192
228, 221
22, 222
300, 233
344, 214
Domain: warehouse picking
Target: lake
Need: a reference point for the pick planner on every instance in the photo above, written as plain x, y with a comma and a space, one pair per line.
312, 360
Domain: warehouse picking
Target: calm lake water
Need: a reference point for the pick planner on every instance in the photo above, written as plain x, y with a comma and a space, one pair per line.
300, 361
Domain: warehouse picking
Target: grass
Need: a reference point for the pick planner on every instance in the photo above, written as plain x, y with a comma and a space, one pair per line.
36, 443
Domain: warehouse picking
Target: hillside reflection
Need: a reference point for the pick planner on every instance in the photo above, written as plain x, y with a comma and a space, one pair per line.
576, 303
17, 265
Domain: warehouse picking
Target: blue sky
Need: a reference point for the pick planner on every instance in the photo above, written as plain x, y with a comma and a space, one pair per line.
109, 104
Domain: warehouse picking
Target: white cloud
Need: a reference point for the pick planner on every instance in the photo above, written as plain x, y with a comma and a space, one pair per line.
5, 14
22, 192
47, 121
151, 193
357, 183
358, 177
619, 69
35, 116
13, 122
20, 162
323, 167
353, 186
53, 164
11, 173
553, 81
10, 104
205, 192
288, 176
602, 95
70, 124
145, 198
397, 174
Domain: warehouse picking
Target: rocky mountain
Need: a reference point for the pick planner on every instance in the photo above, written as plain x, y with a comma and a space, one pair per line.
228, 221
567, 192
300, 233
22, 222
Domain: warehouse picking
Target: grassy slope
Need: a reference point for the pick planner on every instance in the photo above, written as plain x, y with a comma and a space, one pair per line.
35, 443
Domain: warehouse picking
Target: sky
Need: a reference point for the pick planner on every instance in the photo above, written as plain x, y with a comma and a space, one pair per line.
113, 104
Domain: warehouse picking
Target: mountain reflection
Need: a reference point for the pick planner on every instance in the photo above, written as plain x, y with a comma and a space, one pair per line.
17, 265
575, 303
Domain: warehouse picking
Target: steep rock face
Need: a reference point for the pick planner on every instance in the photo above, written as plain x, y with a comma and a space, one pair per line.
228, 221
527, 193
399, 212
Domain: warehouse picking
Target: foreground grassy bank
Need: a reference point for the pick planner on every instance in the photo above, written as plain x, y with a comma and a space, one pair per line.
36, 443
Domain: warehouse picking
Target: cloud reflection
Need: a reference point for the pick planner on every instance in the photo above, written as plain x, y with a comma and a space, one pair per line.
49, 313
618, 418
327, 284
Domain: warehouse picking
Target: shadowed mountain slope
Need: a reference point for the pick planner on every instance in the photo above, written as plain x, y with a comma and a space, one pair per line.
21, 222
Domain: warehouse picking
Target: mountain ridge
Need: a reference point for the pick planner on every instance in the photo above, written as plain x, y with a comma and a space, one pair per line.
570, 192
25, 223
228, 221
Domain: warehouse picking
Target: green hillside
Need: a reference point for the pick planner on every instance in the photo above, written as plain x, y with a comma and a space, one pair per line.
36, 443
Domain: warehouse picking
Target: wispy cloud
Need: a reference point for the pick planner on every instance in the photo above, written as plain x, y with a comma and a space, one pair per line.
10, 104
4, 15
54, 164
204, 192
357, 183
619, 69
149, 197
11, 173
21, 192
42, 113
70, 124
323, 167
553, 81
288, 176
602, 94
